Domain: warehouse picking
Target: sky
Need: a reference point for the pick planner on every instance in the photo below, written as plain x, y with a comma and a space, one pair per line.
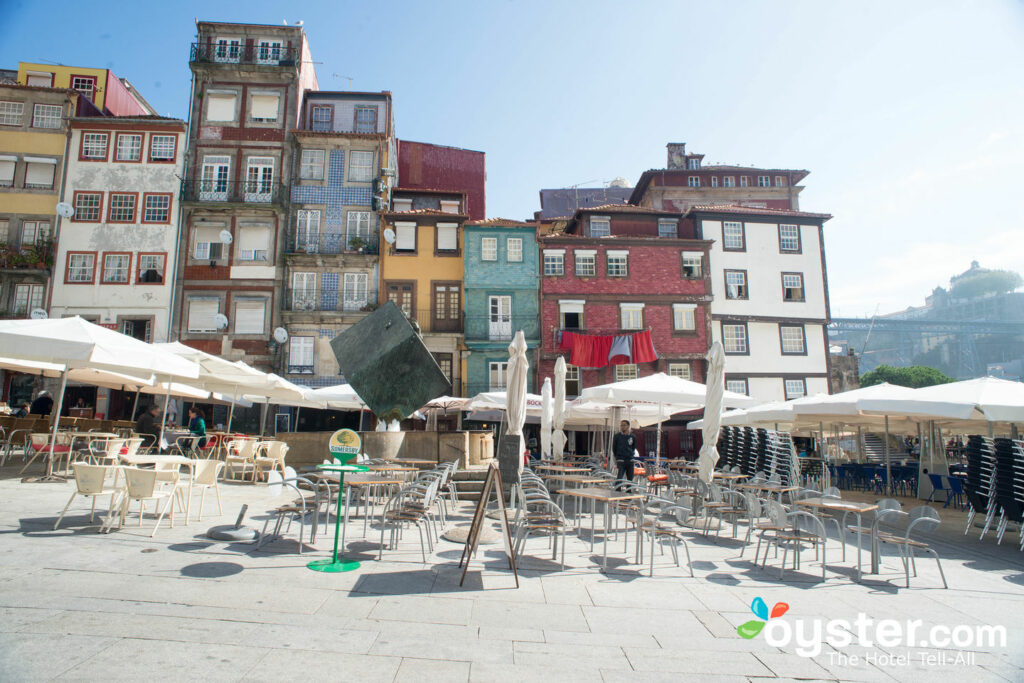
907, 114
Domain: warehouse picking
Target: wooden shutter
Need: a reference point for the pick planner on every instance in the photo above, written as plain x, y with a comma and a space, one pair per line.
249, 316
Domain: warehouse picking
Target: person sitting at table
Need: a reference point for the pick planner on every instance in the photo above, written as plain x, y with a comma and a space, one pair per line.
197, 425
21, 411
148, 425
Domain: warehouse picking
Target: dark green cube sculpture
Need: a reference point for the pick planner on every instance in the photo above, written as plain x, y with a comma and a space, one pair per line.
385, 361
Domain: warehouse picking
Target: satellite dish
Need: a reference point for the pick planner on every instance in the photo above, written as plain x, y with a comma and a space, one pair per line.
39, 314
389, 236
221, 321
225, 236
280, 335
65, 210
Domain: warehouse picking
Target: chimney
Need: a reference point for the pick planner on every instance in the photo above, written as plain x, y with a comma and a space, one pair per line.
676, 155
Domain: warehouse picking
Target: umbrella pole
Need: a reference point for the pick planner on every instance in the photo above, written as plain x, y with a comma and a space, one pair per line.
888, 468
298, 409
920, 459
135, 406
657, 457
56, 423
163, 420
860, 450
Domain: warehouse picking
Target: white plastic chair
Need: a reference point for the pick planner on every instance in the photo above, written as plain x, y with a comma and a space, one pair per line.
270, 455
90, 481
204, 476
141, 485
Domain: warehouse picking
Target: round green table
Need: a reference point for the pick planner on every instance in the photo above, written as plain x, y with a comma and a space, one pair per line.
336, 564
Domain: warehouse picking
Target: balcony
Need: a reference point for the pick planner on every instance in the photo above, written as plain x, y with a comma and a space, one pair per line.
485, 328
260, 192
37, 256
329, 301
257, 55
331, 243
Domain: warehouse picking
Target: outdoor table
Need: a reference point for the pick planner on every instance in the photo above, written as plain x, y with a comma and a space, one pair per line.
414, 462
768, 488
681, 465
858, 509
89, 436
336, 564
389, 468
561, 469
730, 477
364, 482
596, 494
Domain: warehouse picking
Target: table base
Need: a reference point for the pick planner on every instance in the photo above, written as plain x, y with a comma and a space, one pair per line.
332, 566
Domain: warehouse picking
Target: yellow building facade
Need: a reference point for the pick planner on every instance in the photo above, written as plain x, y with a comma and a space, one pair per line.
100, 86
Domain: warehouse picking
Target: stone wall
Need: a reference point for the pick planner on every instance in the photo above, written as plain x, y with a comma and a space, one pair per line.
306, 449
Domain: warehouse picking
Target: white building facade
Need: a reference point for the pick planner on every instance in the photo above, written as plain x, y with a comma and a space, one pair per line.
770, 298
116, 255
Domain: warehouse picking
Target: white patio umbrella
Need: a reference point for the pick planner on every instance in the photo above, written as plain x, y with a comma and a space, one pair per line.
515, 408
546, 413
338, 397
680, 394
985, 398
558, 437
708, 456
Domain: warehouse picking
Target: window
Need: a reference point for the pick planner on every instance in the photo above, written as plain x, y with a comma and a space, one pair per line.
489, 249
268, 52
448, 237
763, 181
128, 147
253, 243
156, 208
554, 262
228, 50
573, 383
729, 181
795, 388
446, 308
736, 386
307, 230
693, 264
34, 232
122, 208
303, 291
94, 146
792, 287
744, 181
162, 147
631, 316
357, 227
80, 268
265, 107
499, 319
84, 84
360, 166
570, 314
5, 229
139, 328
680, 370
714, 181
780, 181
586, 262
693, 164
322, 118
312, 165
514, 249
27, 298
220, 106
39, 172
116, 268
792, 340
11, 113
600, 227
206, 243
41, 79
355, 291
401, 204
449, 205
668, 228
624, 372
736, 284
202, 315
789, 238
7, 163
617, 263
214, 183
250, 316
734, 338
444, 362
405, 237
497, 376
684, 317
259, 179
366, 119
732, 236
151, 269
693, 181
404, 296
300, 356
47, 115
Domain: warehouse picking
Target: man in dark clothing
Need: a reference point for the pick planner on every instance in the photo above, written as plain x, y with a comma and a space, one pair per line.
623, 446
22, 410
148, 425
43, 405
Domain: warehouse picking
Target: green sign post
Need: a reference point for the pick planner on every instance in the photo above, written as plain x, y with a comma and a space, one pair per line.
344, 446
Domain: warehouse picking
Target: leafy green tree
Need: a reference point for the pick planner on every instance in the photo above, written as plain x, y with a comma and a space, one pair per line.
985, 282
915, 377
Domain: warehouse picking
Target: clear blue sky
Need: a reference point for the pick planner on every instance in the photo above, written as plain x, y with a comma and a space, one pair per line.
908, 114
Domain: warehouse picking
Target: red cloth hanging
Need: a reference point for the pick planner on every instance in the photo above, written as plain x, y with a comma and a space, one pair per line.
590, 351
643, 348
565, 344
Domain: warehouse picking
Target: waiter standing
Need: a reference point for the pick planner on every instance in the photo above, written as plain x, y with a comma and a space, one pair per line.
623, 447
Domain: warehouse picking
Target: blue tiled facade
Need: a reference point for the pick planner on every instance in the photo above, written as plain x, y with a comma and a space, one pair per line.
335, 196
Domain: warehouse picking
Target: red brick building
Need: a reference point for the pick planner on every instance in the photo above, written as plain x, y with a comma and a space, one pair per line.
423, 166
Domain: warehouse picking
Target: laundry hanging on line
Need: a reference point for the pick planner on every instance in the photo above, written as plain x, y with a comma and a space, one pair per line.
602, 350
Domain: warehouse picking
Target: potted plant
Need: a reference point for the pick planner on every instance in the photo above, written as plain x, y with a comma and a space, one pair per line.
356, 244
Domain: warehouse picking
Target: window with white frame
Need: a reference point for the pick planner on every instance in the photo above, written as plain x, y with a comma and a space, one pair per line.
631, 316
792, 287
122, 208
300, 356
128, 147
514, 249
586, 262
80, 268
220, 106
693, 163
668, 228
307, 230
744, 181
304, 291
448, 237
449, 205
151, 268
732, 236
259, 179
357, 227
684, 317
734, 338
405, 237
554, 262
360, 166
366, 119
680, 370
254, 243
714, 181
573, 383
156, 208
600, 226
268, 51
47, 115
39, 172
729, 181
265, 107
116, 269
793, 341
34, 232
311, 167
617, 263
11, 113
7, 163
161, 147
401, 204
497, 375
228, 50
795, 388
693, 264
693, 181
322, 119
763, 181
250, 316
39, 79
624, 372
27, 298
5, 228
94, 145
84, 84
780, 181
206, 244
736, 386
488, 248
789, 238
736, 284
355, 288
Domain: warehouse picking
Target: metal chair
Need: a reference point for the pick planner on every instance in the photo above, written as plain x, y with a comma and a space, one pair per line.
921, 518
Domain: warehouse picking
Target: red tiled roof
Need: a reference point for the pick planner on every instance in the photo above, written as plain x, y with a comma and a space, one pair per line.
426, 212
622, 208
646, 176
755, 211
502, 221
427, 190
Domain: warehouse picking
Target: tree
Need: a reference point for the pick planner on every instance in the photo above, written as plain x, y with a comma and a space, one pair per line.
985, 282
915, 377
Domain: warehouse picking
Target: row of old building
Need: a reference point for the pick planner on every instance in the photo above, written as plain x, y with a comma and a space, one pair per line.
278, 214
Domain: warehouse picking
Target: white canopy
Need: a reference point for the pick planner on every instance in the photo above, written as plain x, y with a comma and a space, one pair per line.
579, 412
338, 397
847, 403
283, 392
447, 403
986, 398
661, 388
219, 374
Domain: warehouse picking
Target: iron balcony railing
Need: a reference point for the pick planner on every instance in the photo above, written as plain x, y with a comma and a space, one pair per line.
501, 327
260, 54
219, 191
345, 301
330, 243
